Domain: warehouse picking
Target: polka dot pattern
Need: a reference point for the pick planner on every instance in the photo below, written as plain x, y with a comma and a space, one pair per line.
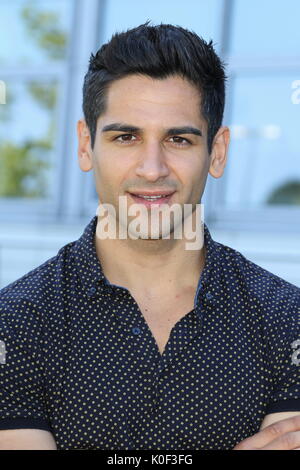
82, 362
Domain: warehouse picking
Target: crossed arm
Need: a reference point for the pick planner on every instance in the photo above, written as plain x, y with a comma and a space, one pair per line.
278, 431
26, 439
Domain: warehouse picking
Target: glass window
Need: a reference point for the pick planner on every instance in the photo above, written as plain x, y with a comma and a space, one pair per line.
27, 138
38, 29
265, 28
263, 166
263, 110
199, 15
34, 36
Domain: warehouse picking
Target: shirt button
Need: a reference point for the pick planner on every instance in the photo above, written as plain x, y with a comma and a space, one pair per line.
136, 330
92, 291
209, 296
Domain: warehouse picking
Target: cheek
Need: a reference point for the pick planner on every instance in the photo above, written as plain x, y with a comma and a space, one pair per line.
191, 172
109, 175
194, 178
106, 170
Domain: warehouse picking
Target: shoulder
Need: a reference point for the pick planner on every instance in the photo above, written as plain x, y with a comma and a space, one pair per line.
26, 300
272, 295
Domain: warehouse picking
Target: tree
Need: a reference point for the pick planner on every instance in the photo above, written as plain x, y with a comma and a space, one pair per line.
23, 166
288, 193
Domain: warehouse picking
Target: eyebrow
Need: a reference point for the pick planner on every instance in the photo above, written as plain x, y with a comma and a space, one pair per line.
117, 126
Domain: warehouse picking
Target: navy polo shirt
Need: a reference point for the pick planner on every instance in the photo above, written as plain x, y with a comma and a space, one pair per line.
80, 361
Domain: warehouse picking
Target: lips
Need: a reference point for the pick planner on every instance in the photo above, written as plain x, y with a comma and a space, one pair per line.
154, 197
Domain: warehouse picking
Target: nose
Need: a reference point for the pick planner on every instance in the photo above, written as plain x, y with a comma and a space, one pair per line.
152, 164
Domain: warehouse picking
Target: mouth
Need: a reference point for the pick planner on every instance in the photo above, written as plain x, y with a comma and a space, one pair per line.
152, 198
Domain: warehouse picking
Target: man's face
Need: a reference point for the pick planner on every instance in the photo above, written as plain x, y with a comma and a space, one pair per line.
158, 155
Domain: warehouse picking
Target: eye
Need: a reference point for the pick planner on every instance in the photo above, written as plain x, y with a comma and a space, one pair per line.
119, 138
182, 142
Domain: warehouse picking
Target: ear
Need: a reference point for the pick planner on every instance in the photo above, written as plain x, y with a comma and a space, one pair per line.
218, 156
85, 153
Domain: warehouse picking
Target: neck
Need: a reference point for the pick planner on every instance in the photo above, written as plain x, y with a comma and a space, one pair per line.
150, 265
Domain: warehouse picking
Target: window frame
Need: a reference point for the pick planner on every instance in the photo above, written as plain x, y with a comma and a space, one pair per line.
73, 192
278, 218
66, 202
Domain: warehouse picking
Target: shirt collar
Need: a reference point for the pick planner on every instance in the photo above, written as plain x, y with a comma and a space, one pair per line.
91, 274
210, 281
86, 260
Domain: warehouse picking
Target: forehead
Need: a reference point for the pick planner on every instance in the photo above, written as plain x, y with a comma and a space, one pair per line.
141, 96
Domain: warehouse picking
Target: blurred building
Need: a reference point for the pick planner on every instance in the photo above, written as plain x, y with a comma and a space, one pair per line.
45, 199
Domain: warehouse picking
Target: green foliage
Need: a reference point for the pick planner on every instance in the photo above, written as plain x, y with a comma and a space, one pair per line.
44, 94
43, 29
23, 166
288, 193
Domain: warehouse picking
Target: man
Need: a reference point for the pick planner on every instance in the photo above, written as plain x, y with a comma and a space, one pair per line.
137, 342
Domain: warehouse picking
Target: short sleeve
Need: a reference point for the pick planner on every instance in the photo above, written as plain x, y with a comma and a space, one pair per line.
285, 356
22, 397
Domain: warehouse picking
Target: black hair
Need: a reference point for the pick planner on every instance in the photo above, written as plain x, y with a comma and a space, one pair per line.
158, 52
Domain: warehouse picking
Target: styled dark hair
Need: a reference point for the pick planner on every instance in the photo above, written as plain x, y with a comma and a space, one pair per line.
158, 52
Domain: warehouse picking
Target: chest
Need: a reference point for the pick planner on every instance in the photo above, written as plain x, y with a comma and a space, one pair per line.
110, 392
161, 313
